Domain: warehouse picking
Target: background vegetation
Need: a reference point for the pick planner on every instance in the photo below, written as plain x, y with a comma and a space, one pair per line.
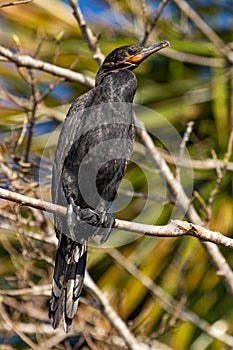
191, 81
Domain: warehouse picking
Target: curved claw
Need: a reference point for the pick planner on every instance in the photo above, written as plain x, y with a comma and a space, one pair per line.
69, 214
107, 221
70, 222
78, 218
73, 216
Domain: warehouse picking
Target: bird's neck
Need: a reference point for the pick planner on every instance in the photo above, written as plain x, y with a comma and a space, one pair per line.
118, 86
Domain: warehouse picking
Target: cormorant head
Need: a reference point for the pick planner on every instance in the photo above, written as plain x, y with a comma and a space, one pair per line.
127, 57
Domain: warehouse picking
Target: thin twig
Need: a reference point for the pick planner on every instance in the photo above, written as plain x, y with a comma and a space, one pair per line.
205, 28
90, 38
57, 47
151, 25
194, 59
167, 302
13, 3
144, 16
223, 269
229, 148
182, 148
154, 198
205, 164
200, 200
34, 290
35, 97
27, 106
220, 175
113, 317
22, 135
20, 333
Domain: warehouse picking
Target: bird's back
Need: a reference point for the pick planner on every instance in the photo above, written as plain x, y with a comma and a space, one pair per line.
95, 145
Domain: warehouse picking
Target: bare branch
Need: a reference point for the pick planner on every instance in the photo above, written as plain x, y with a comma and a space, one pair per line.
113, 317
56, 336
205, 28
29, 62
167, 302
32, 119
223, 270
90, 38
14, 328
13, 3
34, 290
27, 105
149, 27
182, 148
175, 187
22, 134
194, 59
229, 148
175, 228
32, 202
204, 164
220, 175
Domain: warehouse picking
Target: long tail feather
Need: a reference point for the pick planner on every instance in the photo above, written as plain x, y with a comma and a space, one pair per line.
67, 281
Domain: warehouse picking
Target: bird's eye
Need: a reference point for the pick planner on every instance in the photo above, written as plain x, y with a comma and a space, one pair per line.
132, 52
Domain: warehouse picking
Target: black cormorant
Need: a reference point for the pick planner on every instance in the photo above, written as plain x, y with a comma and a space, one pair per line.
94, 148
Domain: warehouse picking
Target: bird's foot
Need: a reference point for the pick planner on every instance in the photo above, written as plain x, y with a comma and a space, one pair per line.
73, 216
73, 209
102, 220
107, 222
86, 223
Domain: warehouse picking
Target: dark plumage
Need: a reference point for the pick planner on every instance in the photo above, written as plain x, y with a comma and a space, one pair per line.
94, 148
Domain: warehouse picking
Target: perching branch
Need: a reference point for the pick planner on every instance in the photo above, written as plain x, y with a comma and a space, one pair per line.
175, 228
